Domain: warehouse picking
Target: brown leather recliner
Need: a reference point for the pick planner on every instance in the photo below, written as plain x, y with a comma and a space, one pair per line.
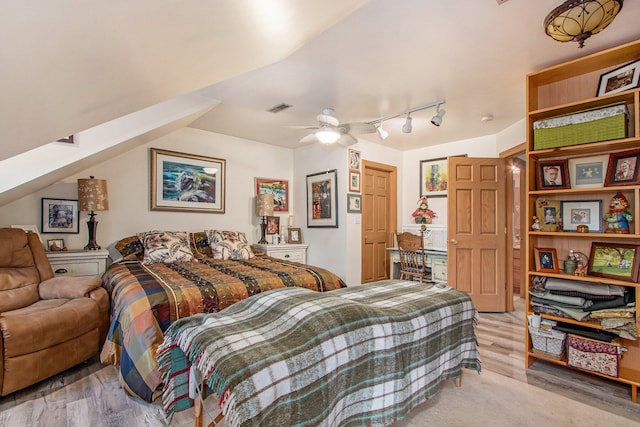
48, 324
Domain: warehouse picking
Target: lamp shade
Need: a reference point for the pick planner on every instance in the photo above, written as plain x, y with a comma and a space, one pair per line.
264, 204
92, 195
577, 20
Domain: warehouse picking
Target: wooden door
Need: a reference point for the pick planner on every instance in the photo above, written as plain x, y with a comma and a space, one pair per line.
379, 197
477, 230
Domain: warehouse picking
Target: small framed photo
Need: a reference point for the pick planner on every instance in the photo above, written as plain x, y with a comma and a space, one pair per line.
548, 212
588, 172
60, 216
578, 213
354, 203
552, 174
354, 160
273, 225
295, 235
620, 79
55, 244
29, 229
623, 168
354, 181
614, 260
546, 260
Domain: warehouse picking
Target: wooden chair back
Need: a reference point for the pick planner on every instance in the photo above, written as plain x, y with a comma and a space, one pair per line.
413, 258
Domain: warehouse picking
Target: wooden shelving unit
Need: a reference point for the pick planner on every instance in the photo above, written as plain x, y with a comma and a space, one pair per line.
565, 89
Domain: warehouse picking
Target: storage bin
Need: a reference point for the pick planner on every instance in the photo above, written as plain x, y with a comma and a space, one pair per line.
548, 341
593, 355
584, 127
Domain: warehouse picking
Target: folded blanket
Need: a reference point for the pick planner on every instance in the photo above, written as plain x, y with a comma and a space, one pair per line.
586, 287
583, 295
614, 303
626, 328
568, 302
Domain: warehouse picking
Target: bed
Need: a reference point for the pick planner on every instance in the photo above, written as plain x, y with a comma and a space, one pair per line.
362, 355
187, 276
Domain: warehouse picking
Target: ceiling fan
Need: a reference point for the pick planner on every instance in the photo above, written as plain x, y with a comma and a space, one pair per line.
329, 130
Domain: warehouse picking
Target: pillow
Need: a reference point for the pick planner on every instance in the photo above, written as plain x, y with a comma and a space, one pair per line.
200, 244
229, 245
127, 249
166, 246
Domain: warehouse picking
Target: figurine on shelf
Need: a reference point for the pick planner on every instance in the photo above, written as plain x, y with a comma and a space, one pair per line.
618, 217
536, 224
579, 270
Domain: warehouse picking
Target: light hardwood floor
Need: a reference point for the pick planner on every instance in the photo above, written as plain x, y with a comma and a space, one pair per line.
90, 395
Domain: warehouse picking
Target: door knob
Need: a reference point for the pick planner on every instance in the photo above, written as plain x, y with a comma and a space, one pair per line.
453, 241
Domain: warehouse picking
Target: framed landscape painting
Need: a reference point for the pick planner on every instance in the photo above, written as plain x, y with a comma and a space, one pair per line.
280, 190
614, 260
186, 182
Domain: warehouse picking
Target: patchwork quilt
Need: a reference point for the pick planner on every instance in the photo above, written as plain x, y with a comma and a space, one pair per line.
147, 298
362, 355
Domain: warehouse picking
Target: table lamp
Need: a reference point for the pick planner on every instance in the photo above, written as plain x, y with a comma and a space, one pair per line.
92, 196
264, 208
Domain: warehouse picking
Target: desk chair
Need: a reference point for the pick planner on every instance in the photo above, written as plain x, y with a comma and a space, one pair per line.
413, 258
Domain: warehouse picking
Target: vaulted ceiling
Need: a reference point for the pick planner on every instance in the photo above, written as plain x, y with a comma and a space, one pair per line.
68, 66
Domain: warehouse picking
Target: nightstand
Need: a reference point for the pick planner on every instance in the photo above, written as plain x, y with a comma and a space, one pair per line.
79, 263
296, 252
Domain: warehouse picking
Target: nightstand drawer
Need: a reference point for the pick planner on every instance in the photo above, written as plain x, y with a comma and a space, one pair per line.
292, 255
439, 269
90, 268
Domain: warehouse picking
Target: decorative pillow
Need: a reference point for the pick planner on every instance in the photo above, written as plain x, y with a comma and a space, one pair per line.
166, 246
229, 245
130, 249
200, 244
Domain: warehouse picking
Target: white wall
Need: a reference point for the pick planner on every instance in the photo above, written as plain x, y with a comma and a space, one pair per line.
128, 182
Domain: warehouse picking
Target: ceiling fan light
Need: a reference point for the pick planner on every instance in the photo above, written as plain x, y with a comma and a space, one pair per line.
327, 136
577, 20
407, 127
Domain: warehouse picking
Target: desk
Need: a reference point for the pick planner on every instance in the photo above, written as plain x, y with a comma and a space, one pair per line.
437, 260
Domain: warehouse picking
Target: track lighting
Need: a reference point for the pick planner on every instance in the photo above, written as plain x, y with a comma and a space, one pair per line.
437, 119
382, 134
407, 128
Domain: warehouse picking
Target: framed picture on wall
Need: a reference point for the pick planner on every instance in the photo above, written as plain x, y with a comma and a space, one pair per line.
322, 199
354, 160
60, 216
354, 181
280, 190
354, 203
187, 182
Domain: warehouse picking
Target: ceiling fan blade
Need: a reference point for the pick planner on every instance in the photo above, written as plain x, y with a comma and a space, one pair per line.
309, 138
347, 139
358, 127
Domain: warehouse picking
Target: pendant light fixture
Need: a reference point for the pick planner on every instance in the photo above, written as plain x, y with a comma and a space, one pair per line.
577, 20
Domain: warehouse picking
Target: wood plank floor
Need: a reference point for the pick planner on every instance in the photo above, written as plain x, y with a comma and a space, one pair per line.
90, 395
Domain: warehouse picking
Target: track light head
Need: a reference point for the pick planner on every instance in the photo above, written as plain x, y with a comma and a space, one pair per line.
382, 134
437, 119
407, 128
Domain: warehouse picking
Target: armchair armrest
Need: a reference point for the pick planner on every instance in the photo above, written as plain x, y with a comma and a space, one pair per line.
68, 287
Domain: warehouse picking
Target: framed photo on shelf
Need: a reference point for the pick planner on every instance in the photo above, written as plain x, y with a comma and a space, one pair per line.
60, 216
588, 172
187, 182
280, 190
354, 203
548, 212
294, 235
552, 174
623, 168
273, 225
577, 213
322, 199
354, 160
354, 181
546, 260
59, 244
614, 260
621, 79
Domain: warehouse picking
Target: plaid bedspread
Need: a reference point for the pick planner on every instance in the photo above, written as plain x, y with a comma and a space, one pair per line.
363, 355
146, 299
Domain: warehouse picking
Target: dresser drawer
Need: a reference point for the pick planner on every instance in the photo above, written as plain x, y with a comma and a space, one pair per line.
78, 263
439, 269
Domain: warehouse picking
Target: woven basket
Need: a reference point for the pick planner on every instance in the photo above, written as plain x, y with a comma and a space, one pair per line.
548, 340
602, 124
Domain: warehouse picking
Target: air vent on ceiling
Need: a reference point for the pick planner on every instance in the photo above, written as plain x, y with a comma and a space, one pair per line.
279, 108
501, 1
